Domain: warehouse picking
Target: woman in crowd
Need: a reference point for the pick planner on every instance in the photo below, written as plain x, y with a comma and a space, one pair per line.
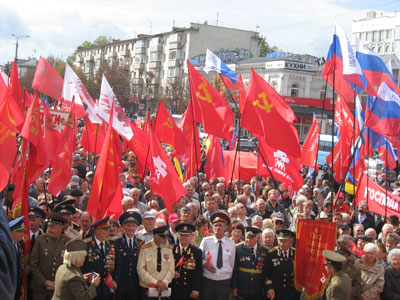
382, 256
70, 283
85, 188
391, 290
372, 273
237, 232
202, 226
268, 238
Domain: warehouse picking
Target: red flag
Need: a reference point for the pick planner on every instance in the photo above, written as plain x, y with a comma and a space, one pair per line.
61, 173
32, 132
215, 166
8, 142
266, 114
3, 87
209, 108
357, 250
192, 155
312, 238
109, 280
147, 124
345, 121
47, 80
284, 167
106, 194
140, 145
180, 262
164, 181
27, 98
168, 132
209, 257
92, 137
309, 151
15, 99
51, 135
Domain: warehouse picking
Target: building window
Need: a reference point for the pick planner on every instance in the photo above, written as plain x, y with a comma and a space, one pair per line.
172, 55
380, 50
172, 72
387, 49
274, 84
173, 37
373, 48
139, 58
294, 90
368, 36
322, 93
381, 35
154, 41
362, 36
139, 44
153, 56
375, 36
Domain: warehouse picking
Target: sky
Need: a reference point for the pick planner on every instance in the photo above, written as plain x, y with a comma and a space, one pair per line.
57, 28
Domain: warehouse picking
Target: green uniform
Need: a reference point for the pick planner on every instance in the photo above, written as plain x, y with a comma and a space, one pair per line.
70, 285
355, 276
249, 273
339, 287
47, 255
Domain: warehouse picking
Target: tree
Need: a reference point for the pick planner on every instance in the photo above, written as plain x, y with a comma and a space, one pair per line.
176, 95
100, 40
265, 47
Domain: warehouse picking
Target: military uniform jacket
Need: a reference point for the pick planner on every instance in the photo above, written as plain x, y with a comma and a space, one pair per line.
249, 273
95, 261
355, 276
70, 285
126, 275
280, 274
147, 265
339, 287
20, 267
190, 271
47, 255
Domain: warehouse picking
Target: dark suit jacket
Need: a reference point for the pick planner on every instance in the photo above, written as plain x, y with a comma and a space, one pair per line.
369, 222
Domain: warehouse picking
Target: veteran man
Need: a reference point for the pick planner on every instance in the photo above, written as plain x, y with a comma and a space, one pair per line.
47, 256
127, 249
156, 265
248, 280
101, 258
218, 260
17, 229
339, 285
188, 265
280, 268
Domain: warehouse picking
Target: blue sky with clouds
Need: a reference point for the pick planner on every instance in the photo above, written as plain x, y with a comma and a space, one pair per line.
58, 27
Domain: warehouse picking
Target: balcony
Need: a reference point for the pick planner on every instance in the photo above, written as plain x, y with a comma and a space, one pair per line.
138, 65
154, 65
124, 52
174, 63
139, 50
156, 48
175, 45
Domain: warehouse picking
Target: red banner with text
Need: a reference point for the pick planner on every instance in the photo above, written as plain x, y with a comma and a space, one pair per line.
313, 237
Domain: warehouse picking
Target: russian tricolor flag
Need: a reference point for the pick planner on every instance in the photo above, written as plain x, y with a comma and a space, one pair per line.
214, 63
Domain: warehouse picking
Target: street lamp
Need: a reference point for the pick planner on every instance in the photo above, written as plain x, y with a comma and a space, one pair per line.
16, 45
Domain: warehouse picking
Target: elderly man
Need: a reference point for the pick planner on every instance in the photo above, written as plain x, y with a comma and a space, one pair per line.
135, 195
387, 228
243, 199
218, 260
280, 268
261, 208
247, 191
172, 236
211, 207
272, 204
189, 195
363, 216
85, 221
156, 264
46, 257
241, 208
372, 234
149, 222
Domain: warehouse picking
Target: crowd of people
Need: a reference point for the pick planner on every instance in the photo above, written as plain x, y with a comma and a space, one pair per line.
221, 240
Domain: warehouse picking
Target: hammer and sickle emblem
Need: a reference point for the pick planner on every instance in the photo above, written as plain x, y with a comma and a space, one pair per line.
265, 105
207, 97
168, 123
9, 116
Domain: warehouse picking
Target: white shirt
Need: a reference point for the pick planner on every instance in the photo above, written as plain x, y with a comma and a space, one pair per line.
98, 243
36, 234
210, 244
144, 235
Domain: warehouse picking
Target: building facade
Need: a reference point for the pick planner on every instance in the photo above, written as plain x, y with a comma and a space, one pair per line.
154, 62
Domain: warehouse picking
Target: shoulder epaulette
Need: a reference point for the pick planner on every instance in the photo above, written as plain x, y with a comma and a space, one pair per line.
88, 239
170, 247
273, 249
112, 238
147, 245
241, 243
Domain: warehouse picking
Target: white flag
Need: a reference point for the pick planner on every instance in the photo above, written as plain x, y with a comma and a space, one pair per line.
120, 121
73, 87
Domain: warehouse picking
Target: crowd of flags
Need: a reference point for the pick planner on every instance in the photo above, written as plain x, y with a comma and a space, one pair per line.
264, 113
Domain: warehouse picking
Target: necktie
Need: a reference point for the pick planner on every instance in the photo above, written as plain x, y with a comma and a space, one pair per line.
102, 248
33, 239
219, 257
130, 245
252, 253
285, 256
83, 235
158, 259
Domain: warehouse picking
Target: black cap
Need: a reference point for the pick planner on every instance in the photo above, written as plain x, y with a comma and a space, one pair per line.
64, 209
364, 238
130, 216
185, 228
55, 219
36, 212
161, 231
345, 226
76, 193
282, 234
220, 217
75, 245
68, 200
11, 187
252, 231
102, 224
